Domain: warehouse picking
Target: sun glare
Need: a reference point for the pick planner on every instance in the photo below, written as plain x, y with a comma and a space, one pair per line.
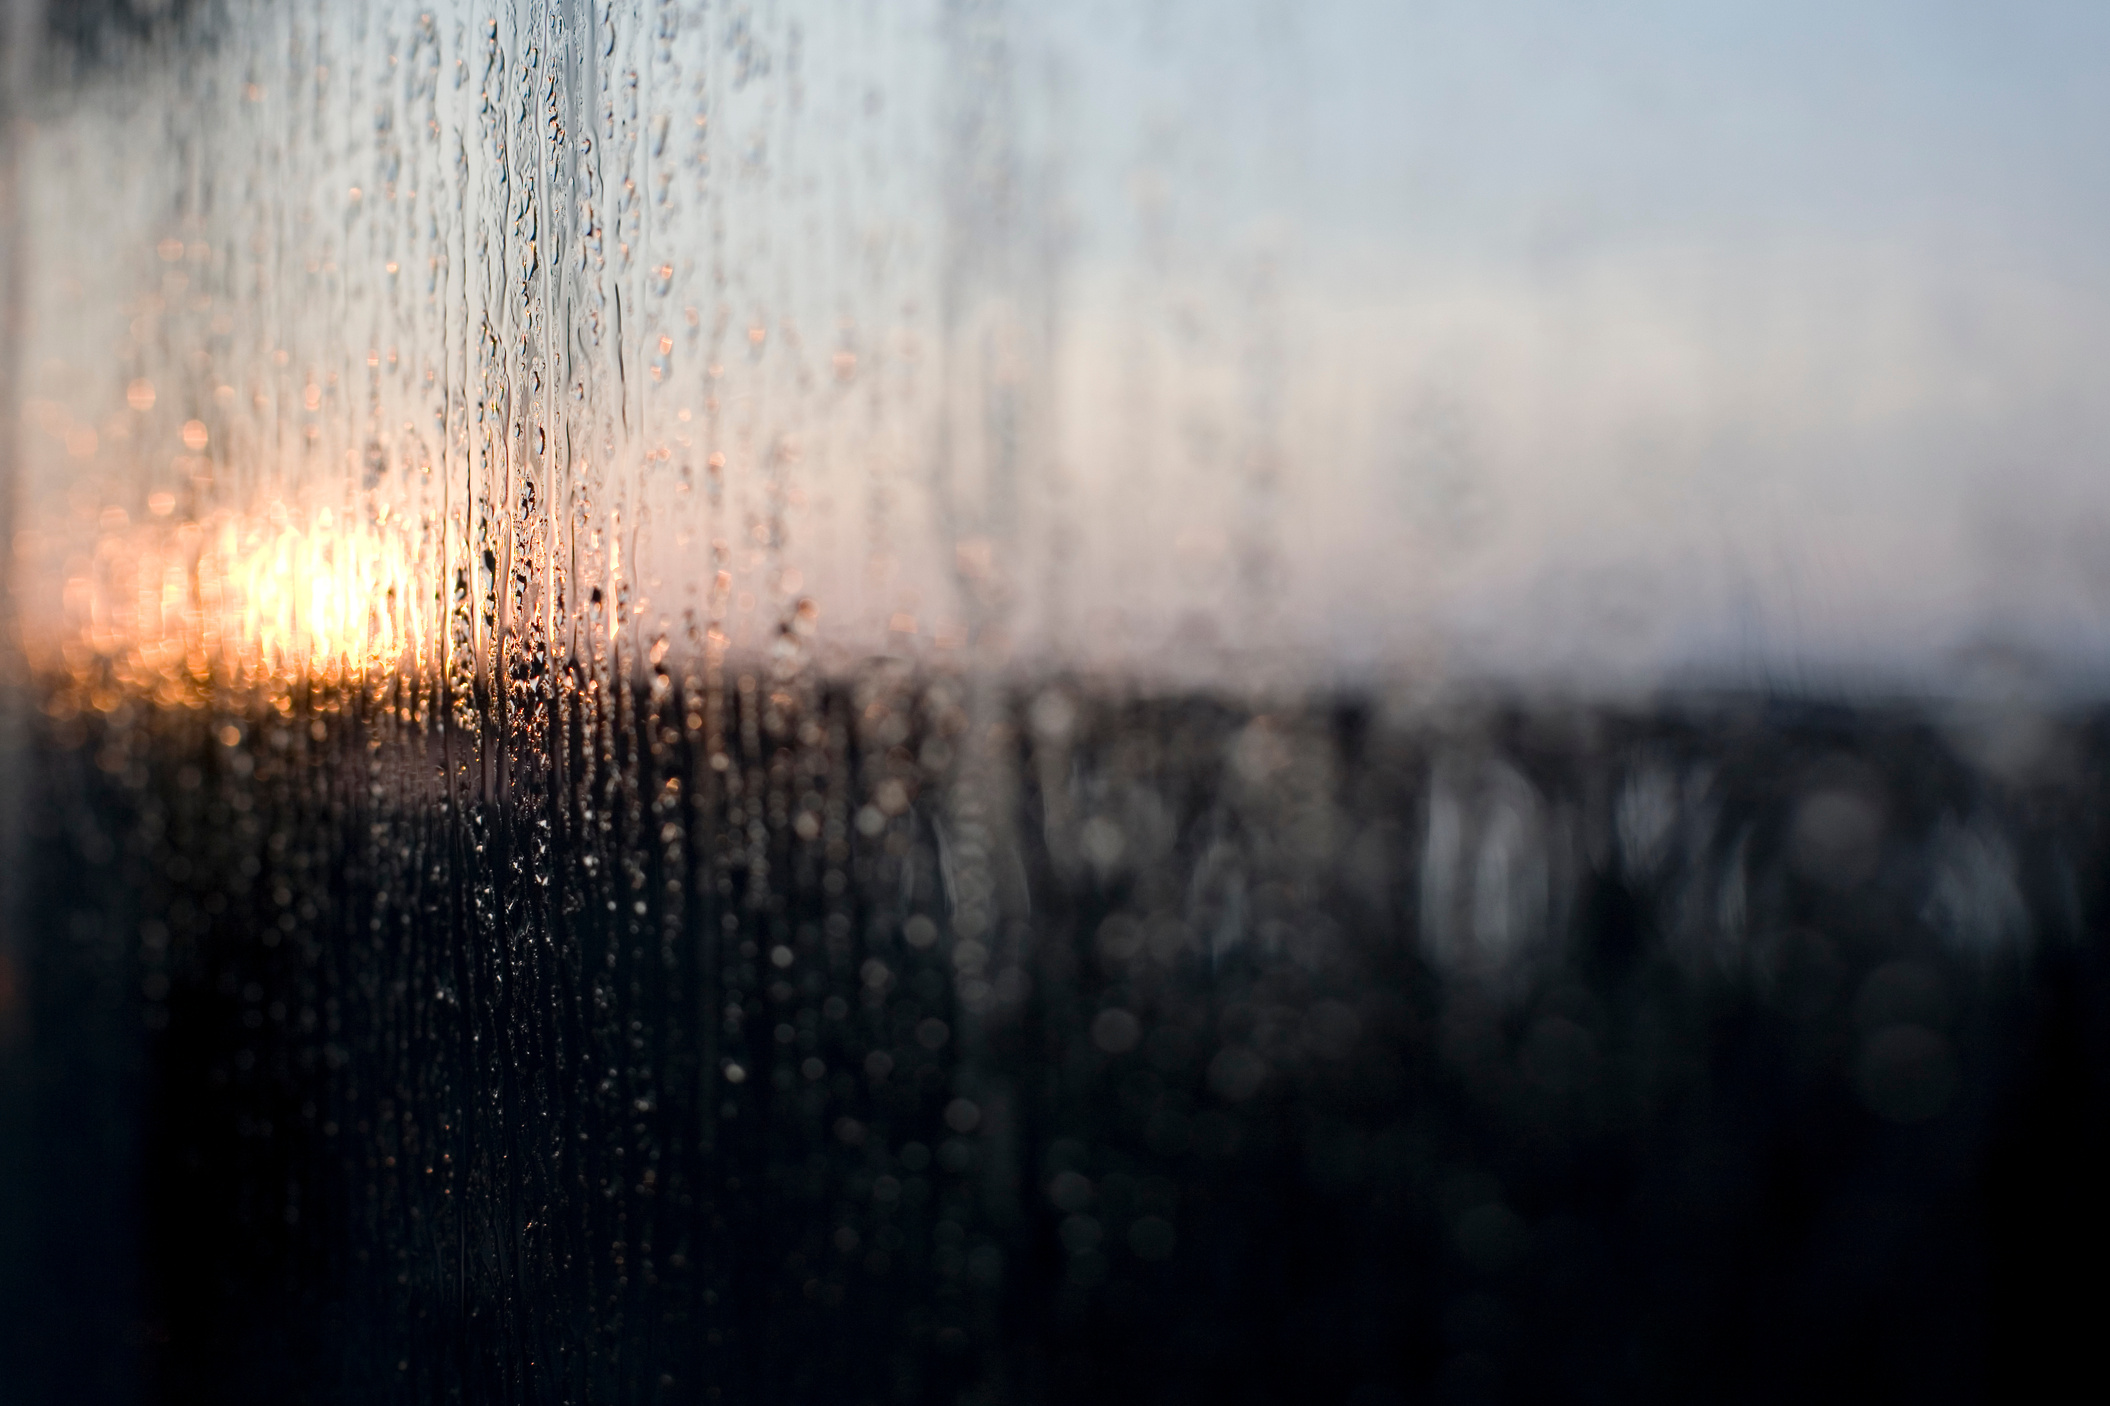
274, 598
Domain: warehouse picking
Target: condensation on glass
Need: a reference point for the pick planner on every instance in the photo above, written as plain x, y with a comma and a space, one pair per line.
761, 701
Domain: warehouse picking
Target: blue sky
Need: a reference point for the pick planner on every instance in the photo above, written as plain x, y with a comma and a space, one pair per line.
1786, 316
1613, 340
1930, 120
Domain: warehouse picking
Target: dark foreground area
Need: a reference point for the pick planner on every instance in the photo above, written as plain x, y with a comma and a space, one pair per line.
886, 1042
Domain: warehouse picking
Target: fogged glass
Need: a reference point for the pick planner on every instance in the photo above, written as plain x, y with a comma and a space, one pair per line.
959, 700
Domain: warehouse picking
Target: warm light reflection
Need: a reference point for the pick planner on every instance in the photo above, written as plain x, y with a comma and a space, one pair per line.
174, 612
